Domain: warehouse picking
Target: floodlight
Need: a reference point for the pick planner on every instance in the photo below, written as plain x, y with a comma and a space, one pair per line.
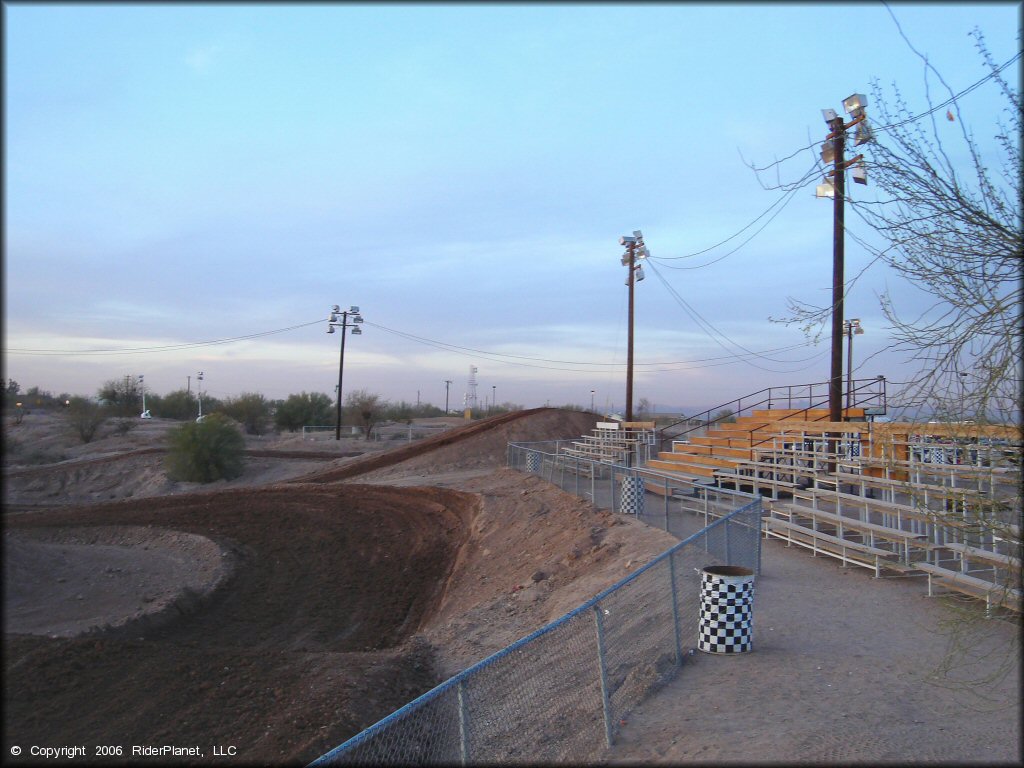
330, 329
863, 134
854, 105
639, 274
828, 151
357, 319
336, 308
827, 189
357, 331
638, 234
354, 310
625, 259
643, 253
333, 318
829, 115
859, 173
627, 240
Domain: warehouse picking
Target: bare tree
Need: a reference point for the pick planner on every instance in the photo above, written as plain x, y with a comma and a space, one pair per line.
366, 409
950, 223
953, 228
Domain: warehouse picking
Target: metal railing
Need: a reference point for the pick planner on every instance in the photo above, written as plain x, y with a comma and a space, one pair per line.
869, 394
560, 693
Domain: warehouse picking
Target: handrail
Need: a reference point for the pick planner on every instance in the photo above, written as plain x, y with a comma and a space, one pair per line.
862, 392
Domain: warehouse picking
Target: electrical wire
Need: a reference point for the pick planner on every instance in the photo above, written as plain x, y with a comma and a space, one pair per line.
149, 350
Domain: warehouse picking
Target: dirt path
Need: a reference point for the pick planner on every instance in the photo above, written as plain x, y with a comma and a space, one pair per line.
842, 671
285, 612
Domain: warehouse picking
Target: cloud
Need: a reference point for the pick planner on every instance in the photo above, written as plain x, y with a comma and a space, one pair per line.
201, 59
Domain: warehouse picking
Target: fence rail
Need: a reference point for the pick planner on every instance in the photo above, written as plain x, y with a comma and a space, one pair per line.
559, 693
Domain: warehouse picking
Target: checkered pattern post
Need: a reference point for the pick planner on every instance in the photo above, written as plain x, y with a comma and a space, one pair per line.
533, 461
726, 609
632, 496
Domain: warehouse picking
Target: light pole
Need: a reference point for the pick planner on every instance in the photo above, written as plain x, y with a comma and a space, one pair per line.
344, 324
635, 249
199, 394
494, 397
834, 186
447, 384
851, 328
962, 377
142, 386
591, 401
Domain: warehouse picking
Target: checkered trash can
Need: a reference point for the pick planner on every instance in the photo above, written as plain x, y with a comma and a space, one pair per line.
632, 496
726, 609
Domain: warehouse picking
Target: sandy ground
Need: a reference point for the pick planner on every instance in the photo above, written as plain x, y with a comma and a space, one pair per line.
284, 611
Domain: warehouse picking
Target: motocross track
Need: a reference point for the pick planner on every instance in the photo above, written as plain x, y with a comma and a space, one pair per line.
279, 619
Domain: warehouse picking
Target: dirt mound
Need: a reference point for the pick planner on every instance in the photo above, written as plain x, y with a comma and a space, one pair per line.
346, 600
480, 444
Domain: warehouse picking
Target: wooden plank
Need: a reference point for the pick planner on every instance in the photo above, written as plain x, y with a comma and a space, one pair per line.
991, 593
975, 553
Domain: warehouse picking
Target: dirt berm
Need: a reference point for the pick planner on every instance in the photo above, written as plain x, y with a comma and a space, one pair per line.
283, 619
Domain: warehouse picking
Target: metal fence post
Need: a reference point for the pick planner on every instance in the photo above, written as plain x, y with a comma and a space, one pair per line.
675, 609
605, 702
728, 548
463, 724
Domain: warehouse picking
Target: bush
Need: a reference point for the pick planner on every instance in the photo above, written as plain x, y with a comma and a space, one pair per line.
308, 409
206, 451
85, 418
251, 410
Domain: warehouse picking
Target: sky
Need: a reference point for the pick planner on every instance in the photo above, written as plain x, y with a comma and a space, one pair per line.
188, 173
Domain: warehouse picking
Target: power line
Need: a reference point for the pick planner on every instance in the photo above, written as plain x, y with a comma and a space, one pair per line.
152, 349
714, 334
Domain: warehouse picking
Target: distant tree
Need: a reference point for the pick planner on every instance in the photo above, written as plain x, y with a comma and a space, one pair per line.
307, 409
202, 452
251, 410
179, 404
85, 417
38, 398
122, 396
365, 409
724, 416
11, 393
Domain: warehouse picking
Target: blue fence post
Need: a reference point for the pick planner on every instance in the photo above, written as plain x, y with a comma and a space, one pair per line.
605, 702
675, 608
463, 724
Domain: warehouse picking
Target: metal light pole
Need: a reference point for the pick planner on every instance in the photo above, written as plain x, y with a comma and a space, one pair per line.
850, 329
494, 397
142, 386
199, 394
447, 384
344, 324
635, 249
835, 187
591, 401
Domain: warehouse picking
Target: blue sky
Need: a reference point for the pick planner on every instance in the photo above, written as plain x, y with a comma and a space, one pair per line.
184, 173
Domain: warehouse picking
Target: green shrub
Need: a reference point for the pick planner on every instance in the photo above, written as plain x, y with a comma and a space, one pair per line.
203, 452
85, 417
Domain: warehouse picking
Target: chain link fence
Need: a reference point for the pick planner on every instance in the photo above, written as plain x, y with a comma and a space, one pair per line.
560, 693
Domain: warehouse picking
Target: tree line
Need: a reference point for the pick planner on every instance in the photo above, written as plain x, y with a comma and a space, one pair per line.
256, 413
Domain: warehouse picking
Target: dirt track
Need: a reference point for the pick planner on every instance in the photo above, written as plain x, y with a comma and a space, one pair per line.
344, 602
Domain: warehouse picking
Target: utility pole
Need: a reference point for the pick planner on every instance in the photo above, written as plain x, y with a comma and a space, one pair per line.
832, 151
835, 382
447, 384
344, 324
630, 250
635, 249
